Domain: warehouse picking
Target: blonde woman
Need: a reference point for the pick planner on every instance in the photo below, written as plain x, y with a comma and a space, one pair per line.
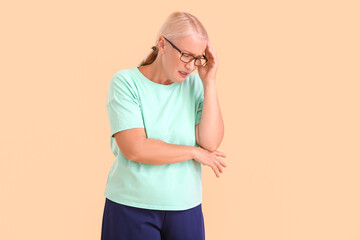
165, 123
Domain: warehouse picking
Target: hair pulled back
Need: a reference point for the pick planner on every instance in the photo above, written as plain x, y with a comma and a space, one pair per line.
177, 25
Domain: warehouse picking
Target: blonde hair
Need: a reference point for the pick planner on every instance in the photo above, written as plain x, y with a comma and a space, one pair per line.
176, 25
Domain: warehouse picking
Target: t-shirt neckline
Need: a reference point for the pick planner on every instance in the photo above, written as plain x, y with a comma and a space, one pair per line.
154, 83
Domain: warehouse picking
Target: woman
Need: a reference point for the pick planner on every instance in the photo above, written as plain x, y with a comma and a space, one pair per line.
165, 122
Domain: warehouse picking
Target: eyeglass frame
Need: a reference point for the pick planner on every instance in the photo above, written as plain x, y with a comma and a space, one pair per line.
182, 53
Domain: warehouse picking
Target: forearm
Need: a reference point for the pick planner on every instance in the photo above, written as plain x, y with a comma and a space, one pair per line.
211, 127
157, 152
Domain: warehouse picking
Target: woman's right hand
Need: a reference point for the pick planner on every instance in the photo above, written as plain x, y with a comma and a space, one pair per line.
211, 159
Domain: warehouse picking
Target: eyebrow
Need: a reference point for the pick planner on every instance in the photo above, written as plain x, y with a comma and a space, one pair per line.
193, 53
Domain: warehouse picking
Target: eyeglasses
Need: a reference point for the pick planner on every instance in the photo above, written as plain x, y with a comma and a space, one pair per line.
186, 58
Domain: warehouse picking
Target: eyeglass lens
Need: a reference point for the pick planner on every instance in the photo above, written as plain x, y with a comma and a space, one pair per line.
187, 58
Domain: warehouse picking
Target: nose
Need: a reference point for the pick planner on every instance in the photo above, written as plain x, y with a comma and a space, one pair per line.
190, 66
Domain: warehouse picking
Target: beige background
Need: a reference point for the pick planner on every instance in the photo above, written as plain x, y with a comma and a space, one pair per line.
288, 85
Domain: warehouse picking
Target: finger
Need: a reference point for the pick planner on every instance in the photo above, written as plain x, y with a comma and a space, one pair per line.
216, 170
210, 48
220, 153
219, 162
222, 163
218, 166
206, 49
209, 53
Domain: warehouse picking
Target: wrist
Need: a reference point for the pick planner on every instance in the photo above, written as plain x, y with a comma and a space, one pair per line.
209, 83
194, 152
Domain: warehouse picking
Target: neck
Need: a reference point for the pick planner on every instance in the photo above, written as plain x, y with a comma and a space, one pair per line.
155, 72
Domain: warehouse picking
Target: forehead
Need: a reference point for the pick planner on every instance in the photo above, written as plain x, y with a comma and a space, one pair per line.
192, 44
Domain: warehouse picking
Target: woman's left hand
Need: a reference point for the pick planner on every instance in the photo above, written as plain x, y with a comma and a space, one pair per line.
207, 73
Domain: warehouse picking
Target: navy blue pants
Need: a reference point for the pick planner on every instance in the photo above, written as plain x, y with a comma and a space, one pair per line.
122, 222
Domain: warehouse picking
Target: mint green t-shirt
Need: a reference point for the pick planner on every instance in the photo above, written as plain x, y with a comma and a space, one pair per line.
168, 113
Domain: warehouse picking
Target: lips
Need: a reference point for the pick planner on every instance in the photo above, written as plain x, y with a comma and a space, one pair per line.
183, 74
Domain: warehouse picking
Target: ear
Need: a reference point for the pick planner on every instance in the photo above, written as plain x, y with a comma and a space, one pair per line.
161, 44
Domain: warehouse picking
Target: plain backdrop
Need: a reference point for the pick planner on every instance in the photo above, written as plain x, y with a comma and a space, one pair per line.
288, 87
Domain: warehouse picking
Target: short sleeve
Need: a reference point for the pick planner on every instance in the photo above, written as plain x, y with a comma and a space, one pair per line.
199, 98
123, 105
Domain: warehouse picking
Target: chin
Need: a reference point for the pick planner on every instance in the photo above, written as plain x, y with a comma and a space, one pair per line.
180, 80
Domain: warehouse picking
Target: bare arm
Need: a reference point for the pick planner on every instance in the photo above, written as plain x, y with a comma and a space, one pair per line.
210, 131
155, 151
136, 147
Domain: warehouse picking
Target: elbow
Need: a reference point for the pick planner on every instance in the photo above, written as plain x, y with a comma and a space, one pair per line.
131, 157
134, 154
212, 144
129, 153
210, 148
209, 145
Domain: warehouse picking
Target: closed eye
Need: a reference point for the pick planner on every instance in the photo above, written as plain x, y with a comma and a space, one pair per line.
187, 55
190, 55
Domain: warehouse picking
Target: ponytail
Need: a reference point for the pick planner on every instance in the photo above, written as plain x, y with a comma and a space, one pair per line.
151, 57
